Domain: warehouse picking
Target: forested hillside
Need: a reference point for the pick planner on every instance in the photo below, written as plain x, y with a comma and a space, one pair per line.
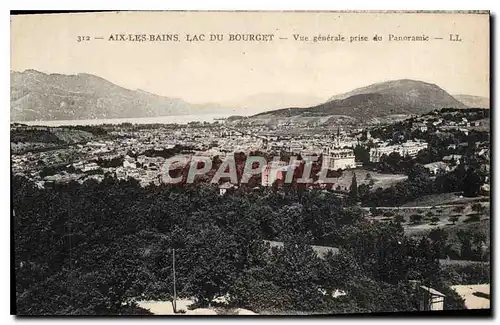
96, 248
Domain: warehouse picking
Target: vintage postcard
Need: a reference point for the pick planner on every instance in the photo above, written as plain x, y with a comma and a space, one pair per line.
250, 163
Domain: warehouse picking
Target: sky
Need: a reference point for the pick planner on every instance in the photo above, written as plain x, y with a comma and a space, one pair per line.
233, 72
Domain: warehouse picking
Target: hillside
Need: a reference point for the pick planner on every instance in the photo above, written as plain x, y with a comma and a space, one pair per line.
386, 98
473, 101
261, 102
39, 96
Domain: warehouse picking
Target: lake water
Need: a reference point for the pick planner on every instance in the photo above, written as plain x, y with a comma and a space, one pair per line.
179, 119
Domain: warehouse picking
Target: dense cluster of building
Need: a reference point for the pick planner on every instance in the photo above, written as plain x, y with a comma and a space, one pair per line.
409, 148
138, 149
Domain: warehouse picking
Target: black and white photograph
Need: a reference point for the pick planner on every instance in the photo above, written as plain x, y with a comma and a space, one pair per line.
250, 163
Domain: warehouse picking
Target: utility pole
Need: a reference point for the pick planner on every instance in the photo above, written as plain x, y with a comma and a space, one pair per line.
174, 304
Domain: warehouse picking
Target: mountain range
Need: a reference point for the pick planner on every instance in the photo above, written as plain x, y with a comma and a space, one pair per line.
473, 101
262, 102
402, 96
39, 96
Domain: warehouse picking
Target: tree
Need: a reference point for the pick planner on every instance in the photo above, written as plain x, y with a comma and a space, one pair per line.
255, 290
465, 244
388, 214
425, 262
363, 191
472, 183
364, 297
362, 154
415, 218
379, 249
354, 188
478, 207
438, 236
478, 240
95, 248
473, 218
296, 270
399, 218
212, 251
390, 163
419, 175
453, 219
339, 269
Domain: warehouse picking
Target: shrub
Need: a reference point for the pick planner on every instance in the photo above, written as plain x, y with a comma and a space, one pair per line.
399, 218
475, 273
473, 218
415, 218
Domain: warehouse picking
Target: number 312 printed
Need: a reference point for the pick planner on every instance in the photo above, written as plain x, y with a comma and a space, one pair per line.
82, 38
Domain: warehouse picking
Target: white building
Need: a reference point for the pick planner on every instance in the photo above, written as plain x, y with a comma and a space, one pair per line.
341, 159
346, 142
129, 162
96, 144
295, 147
410, 148
223, 188
437, 167
90, 166
431, 299
452, 158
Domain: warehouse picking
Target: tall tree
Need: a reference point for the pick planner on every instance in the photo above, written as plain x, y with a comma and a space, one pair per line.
471, 183
354, 188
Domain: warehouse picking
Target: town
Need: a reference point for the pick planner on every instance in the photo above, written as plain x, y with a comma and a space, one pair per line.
135, 151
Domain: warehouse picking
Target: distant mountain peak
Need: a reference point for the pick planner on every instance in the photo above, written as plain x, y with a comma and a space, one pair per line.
394, 86
89, 75
33, 71
402, 96
39, 96
473, 101
28, 72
